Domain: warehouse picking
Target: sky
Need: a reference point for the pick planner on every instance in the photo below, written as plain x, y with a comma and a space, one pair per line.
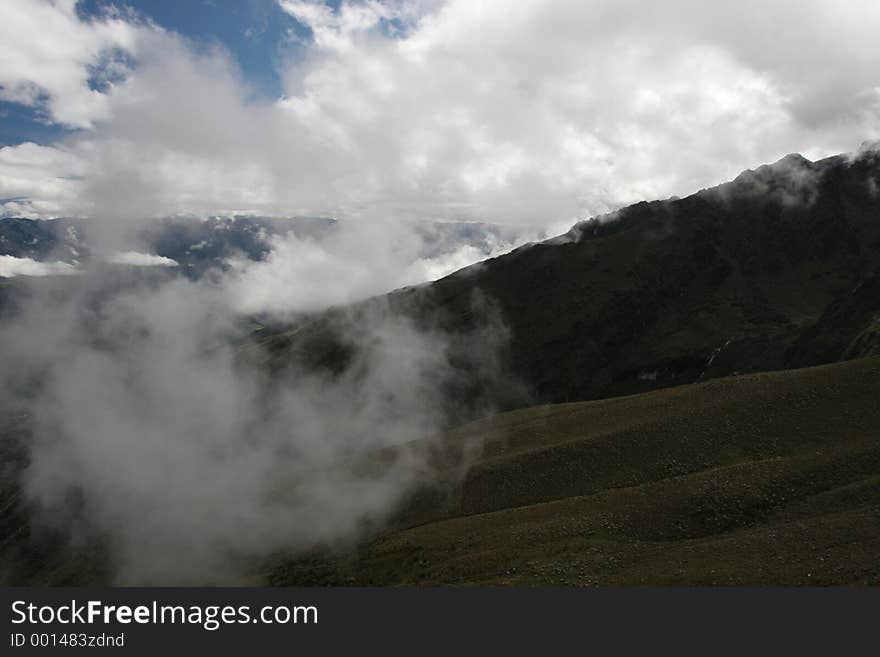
535, 113
254, 31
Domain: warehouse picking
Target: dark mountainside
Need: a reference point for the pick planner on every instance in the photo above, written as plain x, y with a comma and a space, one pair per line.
759, 478
778, 269
764, 477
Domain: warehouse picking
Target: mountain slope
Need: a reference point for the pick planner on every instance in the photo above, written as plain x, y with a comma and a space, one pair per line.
769, 478
770, 271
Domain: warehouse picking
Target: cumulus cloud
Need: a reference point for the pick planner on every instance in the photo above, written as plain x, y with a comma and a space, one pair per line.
48, 56
44, 180
533, 114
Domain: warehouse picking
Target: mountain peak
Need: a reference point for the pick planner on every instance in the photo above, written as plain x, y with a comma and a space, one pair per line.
792, 159
783, 171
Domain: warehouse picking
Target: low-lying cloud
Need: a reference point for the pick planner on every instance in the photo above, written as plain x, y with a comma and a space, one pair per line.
358, 260
136, 259
188, 456
10, 266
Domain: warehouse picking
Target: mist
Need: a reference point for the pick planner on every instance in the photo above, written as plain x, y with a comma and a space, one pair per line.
155, 429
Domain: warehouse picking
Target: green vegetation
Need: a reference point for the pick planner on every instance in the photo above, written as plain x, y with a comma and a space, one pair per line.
760, 479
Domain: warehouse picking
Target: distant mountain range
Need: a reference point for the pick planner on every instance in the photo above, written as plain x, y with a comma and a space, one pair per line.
198, 245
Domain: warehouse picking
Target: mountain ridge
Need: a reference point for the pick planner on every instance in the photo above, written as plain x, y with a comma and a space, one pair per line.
751, 275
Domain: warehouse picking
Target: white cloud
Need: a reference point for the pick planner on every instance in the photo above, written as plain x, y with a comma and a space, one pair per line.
359, 260
49, 178
10, 267
532, 113
47, 56
193, 464
135, 259
564, 108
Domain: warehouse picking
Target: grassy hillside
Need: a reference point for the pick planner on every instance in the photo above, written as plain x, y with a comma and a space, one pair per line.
769, 478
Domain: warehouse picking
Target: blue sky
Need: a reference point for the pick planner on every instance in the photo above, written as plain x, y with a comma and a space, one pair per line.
256, 32
19, 123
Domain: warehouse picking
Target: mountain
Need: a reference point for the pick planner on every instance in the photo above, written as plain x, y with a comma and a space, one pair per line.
199, 245
695, 463
776, 269
196, 245
40, 240
691, 391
